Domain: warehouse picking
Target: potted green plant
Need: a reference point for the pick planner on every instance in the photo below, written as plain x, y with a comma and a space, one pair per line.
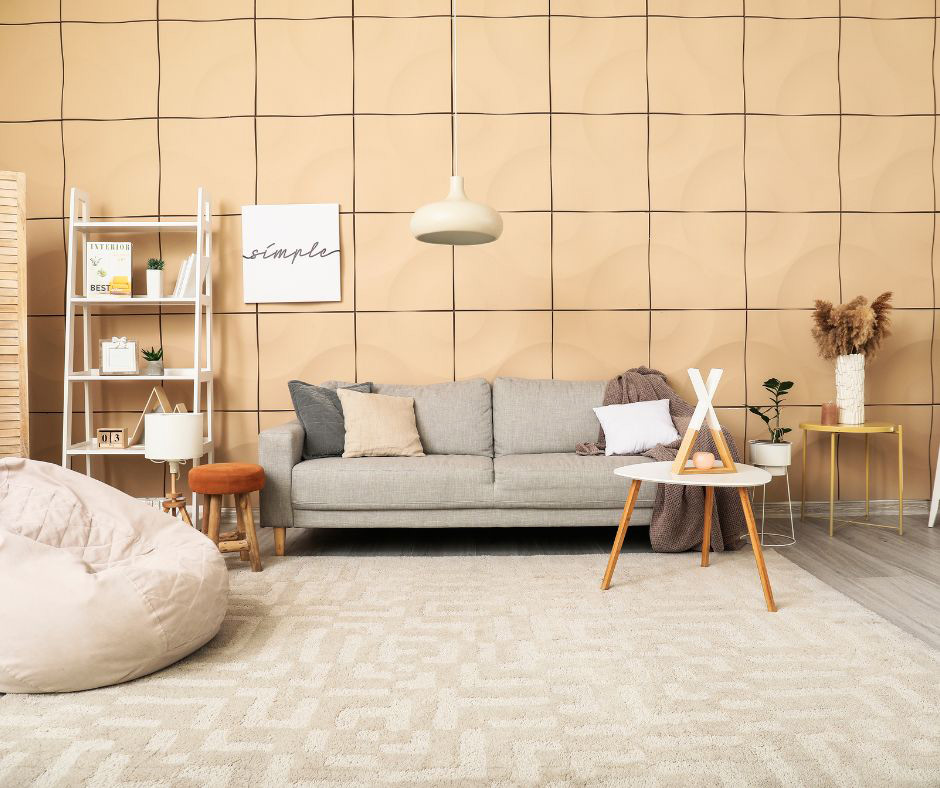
153, 361
154, 278
773, 455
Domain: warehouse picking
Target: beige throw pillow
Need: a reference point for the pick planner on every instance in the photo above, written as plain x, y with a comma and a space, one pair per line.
379, 426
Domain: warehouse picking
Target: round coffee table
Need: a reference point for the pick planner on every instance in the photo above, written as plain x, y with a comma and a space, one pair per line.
746, 476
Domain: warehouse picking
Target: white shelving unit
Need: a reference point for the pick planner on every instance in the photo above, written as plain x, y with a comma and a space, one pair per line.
80, 226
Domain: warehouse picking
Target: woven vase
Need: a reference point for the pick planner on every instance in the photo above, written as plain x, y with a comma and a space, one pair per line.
850, 388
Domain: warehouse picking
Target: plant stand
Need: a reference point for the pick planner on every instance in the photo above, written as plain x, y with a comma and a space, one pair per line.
780, 540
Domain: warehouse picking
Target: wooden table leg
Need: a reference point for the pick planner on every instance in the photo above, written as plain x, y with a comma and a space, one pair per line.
867, 473
707, 534
758, 555
621, 533
832, 480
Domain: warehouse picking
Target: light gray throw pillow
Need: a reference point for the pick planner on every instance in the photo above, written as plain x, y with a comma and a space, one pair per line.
320, 412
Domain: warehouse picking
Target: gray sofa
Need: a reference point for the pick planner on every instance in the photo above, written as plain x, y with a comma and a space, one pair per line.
500, 455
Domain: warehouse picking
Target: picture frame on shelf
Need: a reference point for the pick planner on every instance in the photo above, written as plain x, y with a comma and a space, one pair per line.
118, 356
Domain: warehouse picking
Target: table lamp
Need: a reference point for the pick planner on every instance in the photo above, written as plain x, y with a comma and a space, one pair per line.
173, 438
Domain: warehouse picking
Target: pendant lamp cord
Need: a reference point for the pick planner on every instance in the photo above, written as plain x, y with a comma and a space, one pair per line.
453, 86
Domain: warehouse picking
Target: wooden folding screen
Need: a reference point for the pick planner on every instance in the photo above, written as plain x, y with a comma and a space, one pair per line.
14, 402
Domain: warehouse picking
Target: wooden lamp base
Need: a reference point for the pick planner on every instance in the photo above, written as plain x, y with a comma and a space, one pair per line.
175, 501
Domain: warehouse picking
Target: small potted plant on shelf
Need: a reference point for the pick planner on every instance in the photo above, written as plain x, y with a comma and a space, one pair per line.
154, 278
772, 455
153, 359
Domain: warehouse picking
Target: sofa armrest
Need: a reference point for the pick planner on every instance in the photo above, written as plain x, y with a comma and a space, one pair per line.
279, 450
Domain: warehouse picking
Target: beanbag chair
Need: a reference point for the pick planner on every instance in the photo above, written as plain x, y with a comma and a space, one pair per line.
96, 587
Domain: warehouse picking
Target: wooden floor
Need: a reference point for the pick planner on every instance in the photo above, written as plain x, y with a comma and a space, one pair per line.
896, 577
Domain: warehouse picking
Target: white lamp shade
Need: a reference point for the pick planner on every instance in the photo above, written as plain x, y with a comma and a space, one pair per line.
456, 220
172, 436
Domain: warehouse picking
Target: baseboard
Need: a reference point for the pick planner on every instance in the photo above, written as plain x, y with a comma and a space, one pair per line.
886, 507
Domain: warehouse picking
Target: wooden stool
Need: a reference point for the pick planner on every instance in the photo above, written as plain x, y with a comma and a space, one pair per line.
230, 478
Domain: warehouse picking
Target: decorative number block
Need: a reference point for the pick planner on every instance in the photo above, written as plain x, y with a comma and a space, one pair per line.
111, 437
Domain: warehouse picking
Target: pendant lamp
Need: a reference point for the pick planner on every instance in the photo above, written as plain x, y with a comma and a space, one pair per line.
456, 220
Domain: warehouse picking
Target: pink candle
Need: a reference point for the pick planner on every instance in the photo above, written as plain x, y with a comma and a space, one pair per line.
830, 414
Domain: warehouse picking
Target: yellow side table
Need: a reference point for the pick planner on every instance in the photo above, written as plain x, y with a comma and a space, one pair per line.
866, 429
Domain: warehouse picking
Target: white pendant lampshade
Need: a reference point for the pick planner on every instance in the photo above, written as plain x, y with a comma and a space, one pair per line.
172, 436
456, 220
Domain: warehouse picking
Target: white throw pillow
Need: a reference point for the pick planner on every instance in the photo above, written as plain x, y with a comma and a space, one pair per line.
636, 427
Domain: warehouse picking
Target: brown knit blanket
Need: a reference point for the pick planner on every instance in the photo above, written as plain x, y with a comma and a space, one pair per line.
678, 513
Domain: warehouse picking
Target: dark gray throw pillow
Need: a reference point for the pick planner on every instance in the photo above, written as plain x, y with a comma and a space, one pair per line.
319, 410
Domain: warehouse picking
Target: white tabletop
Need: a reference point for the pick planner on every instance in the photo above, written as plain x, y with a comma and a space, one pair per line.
745, 476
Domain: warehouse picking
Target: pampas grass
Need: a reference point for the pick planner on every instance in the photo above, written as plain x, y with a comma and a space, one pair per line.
855, 327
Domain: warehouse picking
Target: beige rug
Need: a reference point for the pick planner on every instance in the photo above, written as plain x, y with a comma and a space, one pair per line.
512, 671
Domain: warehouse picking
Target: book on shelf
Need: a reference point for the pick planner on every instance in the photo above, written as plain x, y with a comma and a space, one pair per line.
107, 269
186, 285
181, 276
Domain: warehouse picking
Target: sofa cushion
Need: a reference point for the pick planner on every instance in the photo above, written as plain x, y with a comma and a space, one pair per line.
565, 480
318, 408
453, 418
432, 482
379, 426
533, 416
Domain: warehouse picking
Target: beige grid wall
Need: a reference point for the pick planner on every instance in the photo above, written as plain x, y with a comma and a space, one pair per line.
676, 191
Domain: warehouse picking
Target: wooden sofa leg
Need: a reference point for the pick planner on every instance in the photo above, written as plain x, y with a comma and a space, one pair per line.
280, 534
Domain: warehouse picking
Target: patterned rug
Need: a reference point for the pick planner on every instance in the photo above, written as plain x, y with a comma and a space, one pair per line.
507, 670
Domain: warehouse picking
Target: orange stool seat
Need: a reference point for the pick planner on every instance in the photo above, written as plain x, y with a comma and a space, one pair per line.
230, 478
226, 478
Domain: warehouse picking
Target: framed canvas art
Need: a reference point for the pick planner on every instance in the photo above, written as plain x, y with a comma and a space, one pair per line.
291, 253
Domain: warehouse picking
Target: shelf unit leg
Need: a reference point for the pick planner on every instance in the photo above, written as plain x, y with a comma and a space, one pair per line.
74, 200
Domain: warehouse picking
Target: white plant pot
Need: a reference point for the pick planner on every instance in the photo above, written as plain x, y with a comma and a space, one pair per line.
154, 283
774, 458
850, 388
